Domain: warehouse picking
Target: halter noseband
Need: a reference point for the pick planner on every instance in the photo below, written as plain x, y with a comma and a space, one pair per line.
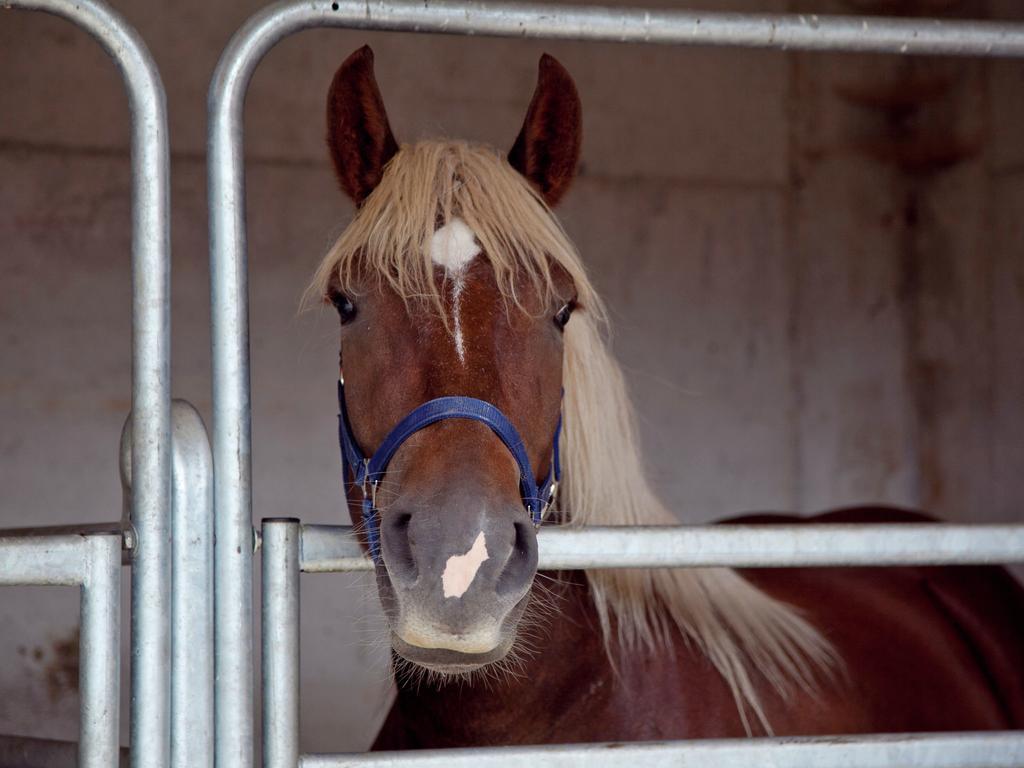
367, 473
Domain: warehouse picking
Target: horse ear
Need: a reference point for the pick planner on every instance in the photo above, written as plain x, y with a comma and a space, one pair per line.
548, 146
358, 133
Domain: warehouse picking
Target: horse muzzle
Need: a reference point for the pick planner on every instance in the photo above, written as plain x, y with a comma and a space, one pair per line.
455, 583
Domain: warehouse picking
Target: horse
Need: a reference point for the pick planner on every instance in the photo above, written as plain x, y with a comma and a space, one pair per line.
470, 335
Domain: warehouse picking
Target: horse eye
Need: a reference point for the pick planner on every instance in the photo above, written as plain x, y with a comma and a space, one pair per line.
563, 315
342, 303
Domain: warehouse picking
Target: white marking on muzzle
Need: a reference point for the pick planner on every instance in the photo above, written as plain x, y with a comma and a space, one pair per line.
460, 570
453, 247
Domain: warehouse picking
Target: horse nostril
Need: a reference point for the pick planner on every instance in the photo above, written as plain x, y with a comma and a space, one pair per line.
522, 562
397, 548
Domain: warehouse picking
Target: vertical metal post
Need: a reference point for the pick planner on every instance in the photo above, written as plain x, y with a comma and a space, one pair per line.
191, 590
100, 654
232, 415
280, 622
151, 417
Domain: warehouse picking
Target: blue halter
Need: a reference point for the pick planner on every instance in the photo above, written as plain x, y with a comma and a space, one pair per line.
367, 473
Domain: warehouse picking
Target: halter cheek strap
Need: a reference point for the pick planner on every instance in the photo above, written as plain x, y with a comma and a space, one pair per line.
367, 472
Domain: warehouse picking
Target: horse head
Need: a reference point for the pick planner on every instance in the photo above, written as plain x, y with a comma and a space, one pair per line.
454, 292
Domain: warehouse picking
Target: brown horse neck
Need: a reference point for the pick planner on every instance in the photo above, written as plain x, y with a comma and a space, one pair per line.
568, 690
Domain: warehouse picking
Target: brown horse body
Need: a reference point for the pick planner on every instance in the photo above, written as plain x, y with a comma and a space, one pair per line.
454, 279
924, 649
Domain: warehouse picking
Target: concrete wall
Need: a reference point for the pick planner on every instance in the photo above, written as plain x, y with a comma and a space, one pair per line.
814, 263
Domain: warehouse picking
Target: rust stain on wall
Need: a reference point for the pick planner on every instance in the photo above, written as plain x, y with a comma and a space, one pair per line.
61, 667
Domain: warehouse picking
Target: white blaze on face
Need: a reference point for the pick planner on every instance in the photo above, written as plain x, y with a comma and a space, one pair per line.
453, 247
460, 570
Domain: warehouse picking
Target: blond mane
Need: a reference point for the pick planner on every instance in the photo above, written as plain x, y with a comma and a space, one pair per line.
745, 633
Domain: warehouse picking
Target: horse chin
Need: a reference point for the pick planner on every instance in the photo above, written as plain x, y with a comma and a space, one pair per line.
452, 655
447, 662
448, 646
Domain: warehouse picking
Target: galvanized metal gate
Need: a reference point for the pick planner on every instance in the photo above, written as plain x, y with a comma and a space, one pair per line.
289, 547
179, 715
165, 535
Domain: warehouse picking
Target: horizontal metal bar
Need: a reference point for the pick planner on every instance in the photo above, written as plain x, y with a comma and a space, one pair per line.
952, 750
564, 22
62, 560
334, 548
83, 529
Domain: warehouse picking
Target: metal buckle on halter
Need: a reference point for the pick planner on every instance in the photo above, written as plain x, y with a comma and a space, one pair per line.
369, 486
552, 495
365, 485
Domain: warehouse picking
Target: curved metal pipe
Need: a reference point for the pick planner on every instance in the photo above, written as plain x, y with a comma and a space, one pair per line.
192, 590
151, 373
